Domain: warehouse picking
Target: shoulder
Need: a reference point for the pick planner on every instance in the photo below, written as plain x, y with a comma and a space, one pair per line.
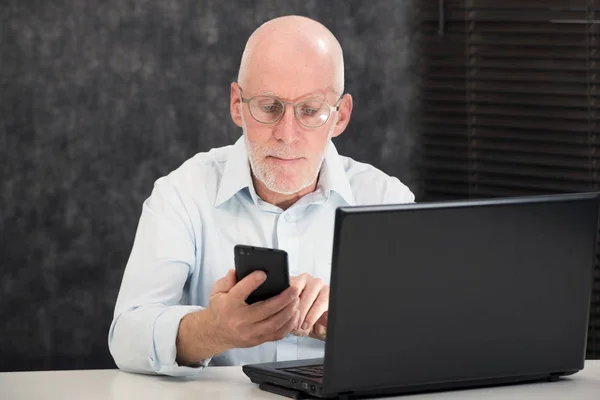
202, 171
371, 185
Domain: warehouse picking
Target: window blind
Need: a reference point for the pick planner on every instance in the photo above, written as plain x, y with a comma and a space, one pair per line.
510, 103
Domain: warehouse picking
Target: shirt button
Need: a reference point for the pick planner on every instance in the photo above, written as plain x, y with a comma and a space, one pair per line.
287, 217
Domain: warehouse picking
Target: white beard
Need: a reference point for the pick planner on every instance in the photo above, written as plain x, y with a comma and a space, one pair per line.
271, 176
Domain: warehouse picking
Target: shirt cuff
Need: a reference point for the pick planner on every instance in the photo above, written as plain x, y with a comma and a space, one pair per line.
164, 349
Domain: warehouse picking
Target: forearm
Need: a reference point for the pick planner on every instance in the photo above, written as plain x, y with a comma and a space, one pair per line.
197, 339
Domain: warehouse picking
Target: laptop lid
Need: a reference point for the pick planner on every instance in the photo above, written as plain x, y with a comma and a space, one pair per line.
423, 294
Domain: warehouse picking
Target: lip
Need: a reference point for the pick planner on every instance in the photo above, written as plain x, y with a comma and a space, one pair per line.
285, 161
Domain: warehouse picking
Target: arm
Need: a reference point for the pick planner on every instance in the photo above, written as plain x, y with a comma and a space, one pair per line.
196, 341
142, 336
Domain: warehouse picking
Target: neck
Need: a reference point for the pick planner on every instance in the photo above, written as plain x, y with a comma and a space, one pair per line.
283, 201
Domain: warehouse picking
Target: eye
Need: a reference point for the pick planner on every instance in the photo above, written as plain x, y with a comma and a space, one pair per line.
311, 108
266, 105
271, 107
309, 111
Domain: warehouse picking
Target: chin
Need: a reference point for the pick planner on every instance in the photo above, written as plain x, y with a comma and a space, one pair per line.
290, 186
286, 180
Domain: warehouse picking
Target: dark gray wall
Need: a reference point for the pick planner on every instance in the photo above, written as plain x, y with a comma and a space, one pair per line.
97, 100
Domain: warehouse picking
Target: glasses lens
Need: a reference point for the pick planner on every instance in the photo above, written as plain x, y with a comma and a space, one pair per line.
265, 109
313, 113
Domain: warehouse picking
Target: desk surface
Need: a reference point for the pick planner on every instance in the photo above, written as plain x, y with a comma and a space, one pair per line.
230, 383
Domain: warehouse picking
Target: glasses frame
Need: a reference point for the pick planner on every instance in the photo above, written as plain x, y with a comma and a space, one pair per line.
294, 105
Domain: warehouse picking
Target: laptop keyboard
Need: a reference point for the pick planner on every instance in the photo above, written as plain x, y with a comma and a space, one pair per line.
311, 371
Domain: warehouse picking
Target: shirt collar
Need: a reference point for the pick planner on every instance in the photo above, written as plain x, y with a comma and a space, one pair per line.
236, 175
333, 176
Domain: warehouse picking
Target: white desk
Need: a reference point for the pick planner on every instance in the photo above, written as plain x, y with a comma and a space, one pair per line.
230, 383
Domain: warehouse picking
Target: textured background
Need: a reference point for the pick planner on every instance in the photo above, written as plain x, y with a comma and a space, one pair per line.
97, 100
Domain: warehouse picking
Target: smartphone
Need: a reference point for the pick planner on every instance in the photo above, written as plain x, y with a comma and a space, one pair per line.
273, 262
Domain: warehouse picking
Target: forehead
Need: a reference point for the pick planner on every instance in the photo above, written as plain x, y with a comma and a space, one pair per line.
289, 73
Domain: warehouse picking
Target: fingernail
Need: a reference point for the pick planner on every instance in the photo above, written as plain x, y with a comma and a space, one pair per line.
305, 326
260, 276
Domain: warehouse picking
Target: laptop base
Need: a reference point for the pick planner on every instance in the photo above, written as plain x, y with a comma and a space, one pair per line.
408, 390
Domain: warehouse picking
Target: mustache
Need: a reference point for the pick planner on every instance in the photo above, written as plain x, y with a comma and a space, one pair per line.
268, 151
286, 156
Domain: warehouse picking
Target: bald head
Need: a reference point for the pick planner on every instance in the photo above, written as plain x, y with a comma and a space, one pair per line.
292, 45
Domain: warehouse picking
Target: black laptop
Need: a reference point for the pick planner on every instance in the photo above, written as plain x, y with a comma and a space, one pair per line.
451, 295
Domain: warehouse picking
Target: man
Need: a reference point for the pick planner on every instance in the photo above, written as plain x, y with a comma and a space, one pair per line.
179, 307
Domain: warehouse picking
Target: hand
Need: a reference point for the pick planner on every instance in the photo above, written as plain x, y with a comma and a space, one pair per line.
237, 324
314, 304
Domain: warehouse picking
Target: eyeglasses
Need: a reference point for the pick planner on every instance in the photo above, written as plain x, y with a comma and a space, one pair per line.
311, 113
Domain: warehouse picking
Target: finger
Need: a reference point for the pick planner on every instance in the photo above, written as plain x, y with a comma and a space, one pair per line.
323, 320
318, 309
277, 321
263, 310
320, 331
249, 284
299, 332
299, 282
225, 284
285, 329
308, 297
317, 331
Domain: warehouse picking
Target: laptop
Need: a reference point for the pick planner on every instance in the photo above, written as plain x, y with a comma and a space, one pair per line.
451, 295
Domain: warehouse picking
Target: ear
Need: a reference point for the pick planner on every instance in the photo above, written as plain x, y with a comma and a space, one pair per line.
344, 113
234, 104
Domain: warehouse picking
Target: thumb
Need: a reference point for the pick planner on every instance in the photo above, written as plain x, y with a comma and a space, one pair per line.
249, 284
225, 284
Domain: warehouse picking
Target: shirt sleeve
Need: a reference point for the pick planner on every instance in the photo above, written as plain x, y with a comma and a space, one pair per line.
143, 332
397, 192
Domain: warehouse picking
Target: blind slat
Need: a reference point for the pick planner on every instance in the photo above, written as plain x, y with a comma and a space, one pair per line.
510, 4
516, 64
522, 75
500, 110
542, 125
455, 28
520, 53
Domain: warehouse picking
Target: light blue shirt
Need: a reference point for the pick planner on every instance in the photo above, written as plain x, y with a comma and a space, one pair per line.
184, 243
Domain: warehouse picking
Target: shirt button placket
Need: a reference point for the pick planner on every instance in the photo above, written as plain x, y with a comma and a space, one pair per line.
287, 349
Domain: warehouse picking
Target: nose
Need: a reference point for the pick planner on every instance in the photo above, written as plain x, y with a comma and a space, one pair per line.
287, 129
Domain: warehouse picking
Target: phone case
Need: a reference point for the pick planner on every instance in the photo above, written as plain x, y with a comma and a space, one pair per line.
273, 262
